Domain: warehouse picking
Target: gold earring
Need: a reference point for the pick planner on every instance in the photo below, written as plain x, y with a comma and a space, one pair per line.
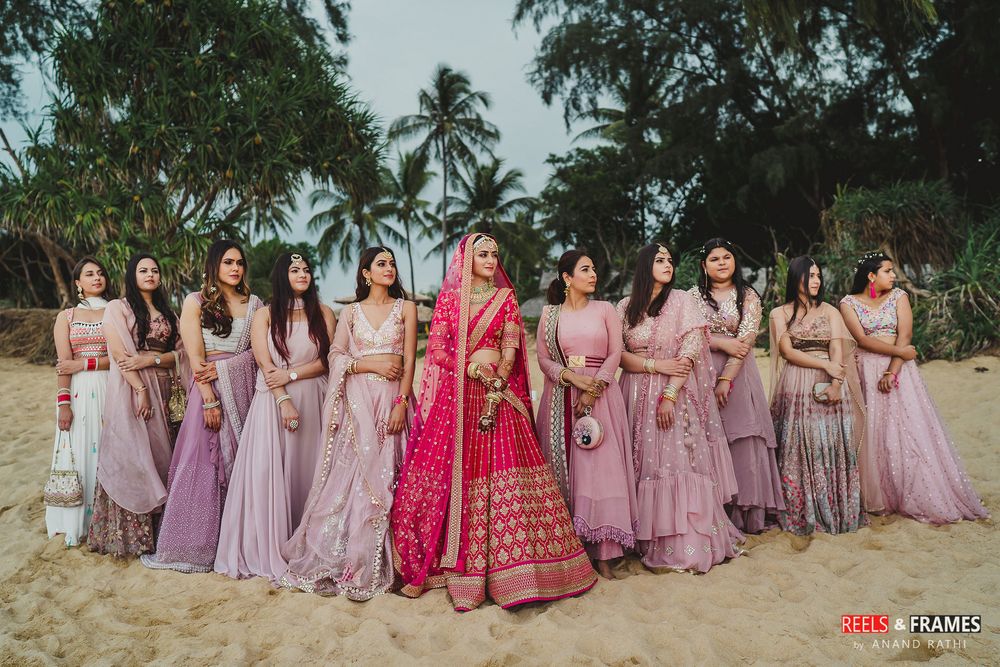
79, 292
566, 291
368, 281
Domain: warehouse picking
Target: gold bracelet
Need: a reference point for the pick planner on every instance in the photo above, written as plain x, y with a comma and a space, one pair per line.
723, 377
472, 370
649, 366
139, 389
562, 381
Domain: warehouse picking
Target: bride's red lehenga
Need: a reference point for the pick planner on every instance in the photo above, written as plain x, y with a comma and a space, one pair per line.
480, 512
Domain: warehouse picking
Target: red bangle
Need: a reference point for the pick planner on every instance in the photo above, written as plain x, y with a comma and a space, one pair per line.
91, 363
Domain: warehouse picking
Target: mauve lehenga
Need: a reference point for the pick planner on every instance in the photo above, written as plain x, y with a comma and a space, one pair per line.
274, 467
598, 483
134, 455
911, 464
685, 473
342, 545
203, 459
746, 416
479, 512
819, 442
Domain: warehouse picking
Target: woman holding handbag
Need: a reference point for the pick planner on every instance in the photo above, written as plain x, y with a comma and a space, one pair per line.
82, 372
215, 328
581, 426
816, 407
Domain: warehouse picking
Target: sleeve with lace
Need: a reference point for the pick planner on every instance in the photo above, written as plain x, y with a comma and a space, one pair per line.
692, 343
616, 345
752, 314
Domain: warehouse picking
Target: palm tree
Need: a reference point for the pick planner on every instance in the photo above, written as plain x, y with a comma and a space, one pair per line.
402, 198
452, 128
484, 200
347, 224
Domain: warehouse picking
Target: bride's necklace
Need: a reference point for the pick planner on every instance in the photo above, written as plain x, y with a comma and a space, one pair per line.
481, 294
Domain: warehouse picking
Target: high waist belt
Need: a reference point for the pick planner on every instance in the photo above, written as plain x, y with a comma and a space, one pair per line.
582, 361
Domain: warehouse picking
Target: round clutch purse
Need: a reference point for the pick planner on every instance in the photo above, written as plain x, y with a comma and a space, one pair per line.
587, 432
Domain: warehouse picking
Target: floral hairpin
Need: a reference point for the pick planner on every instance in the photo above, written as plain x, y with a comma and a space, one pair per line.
870, 255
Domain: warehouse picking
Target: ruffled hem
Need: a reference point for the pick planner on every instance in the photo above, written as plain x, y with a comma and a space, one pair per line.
624, 537
679, 504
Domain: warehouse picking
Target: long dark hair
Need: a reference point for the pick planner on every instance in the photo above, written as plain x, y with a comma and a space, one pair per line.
641, 304
282, 302
361, 290
215, 313
870, 263
705, 284
78, 271
556, 293
798, 277
133, 296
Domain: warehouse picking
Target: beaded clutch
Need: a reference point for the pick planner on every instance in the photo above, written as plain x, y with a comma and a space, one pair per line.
63, 488
587, 432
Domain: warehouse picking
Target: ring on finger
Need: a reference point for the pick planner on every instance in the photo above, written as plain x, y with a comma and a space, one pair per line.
293, 424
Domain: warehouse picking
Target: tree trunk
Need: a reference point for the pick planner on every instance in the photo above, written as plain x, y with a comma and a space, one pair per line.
53, 253
444, 211
409, 254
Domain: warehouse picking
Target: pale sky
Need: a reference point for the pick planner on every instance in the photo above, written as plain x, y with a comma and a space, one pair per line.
395, 48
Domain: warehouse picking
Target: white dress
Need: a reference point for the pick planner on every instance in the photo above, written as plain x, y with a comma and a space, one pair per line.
87, 389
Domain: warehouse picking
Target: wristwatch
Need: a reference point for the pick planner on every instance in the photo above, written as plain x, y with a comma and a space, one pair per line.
293, 376
156, 360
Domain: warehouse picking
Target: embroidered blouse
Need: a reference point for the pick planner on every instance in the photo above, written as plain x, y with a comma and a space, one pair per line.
387, 339
881, 320
726, 320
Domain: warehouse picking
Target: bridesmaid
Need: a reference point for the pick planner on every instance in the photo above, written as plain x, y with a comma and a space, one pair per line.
282, 438
733, 310
909, 465
216, 337
82, 370
342, 545
818, 421
579, 350
137, 438
684, 469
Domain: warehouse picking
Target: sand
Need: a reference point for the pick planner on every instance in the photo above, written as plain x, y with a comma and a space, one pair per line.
780, 602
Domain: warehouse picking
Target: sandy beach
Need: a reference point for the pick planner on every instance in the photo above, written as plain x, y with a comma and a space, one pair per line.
782, 601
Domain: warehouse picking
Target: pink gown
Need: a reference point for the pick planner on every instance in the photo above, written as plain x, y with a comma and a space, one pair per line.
342, 545
911, 458
685, 473
599, 483
274, 469
746, 417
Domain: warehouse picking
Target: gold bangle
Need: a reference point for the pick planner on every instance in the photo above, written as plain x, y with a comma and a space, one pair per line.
723, 377
562, 381
472, 370
649, 366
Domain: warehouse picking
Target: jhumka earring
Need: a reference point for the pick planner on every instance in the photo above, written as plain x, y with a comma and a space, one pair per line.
368, 281
566, 291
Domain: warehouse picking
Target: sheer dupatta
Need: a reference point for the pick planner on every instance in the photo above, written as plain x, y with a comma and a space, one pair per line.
134, 454
841, 346
448, 351
237, 378
560, 410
